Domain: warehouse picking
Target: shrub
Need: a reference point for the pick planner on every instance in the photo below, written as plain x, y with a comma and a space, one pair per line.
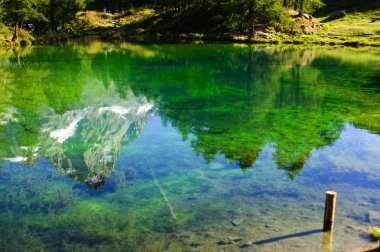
25, 42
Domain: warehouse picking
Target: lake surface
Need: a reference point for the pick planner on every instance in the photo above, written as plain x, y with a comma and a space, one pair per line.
187, 147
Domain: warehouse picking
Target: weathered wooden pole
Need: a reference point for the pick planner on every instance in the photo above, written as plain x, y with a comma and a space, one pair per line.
327, 239
328, 221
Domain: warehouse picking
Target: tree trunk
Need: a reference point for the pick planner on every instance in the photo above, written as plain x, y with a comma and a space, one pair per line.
301, 6
15, 34
251, 18
120, 6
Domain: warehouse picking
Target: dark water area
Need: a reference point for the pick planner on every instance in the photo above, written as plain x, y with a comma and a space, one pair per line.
208, 147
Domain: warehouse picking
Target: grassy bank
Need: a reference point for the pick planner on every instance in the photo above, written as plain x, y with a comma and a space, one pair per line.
354, 29
152, 25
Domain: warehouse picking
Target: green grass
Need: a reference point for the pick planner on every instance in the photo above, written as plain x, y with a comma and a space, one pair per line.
355, 25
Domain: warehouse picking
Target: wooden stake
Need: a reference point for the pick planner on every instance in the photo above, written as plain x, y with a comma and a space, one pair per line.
328, 222
327, 239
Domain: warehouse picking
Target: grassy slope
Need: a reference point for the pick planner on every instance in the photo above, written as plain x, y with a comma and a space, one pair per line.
354, 29
356, 25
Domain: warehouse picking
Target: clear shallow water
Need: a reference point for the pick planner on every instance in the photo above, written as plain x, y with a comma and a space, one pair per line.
187, 147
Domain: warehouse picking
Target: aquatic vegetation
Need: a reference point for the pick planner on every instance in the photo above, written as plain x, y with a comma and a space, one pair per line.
171, 147
375, 233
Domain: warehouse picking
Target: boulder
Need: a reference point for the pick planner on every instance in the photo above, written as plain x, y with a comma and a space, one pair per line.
262, 34
337, 15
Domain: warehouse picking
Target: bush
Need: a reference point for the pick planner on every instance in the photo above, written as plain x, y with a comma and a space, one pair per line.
25, 42
5, 32
23, 34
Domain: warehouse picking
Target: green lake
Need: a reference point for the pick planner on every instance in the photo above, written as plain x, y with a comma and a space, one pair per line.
188, 147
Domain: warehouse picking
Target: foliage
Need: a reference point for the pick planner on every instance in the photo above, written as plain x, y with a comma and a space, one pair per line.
5, 32
17, 11
231, 98
307, 5
61, 12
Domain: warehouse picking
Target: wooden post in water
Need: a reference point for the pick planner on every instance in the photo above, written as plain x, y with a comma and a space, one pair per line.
328, 221
327, 239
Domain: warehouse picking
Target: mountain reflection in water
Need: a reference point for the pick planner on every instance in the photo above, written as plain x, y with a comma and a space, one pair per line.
228, 100
187, 147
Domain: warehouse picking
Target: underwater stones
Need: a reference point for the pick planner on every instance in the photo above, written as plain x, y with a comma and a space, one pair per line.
130, 173
236, 222
194, 244
116, 180
373, 217
229, 240
235, 239
367, 217
234, 212
193, 196
224, 242
208, 235
246, 245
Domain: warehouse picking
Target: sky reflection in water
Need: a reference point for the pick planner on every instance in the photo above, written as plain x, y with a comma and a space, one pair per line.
187, 147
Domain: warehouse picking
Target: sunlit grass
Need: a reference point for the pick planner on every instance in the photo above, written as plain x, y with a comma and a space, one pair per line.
137, 16
354, 25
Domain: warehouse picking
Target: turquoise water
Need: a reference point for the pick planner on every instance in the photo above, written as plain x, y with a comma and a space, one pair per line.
187, 147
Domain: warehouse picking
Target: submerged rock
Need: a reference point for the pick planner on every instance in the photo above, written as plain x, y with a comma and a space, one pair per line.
224, 242
246, 245
235, 239
229, 240
236, 222
194, 244
374, 217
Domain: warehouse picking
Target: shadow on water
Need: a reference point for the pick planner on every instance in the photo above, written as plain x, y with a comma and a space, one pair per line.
279, 238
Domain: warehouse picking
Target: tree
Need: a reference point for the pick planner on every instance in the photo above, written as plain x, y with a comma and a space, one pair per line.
251, 18
265, 12
61, 12
303, 6
18, 11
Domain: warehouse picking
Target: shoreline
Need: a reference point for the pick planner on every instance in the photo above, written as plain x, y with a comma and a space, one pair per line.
209, 38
